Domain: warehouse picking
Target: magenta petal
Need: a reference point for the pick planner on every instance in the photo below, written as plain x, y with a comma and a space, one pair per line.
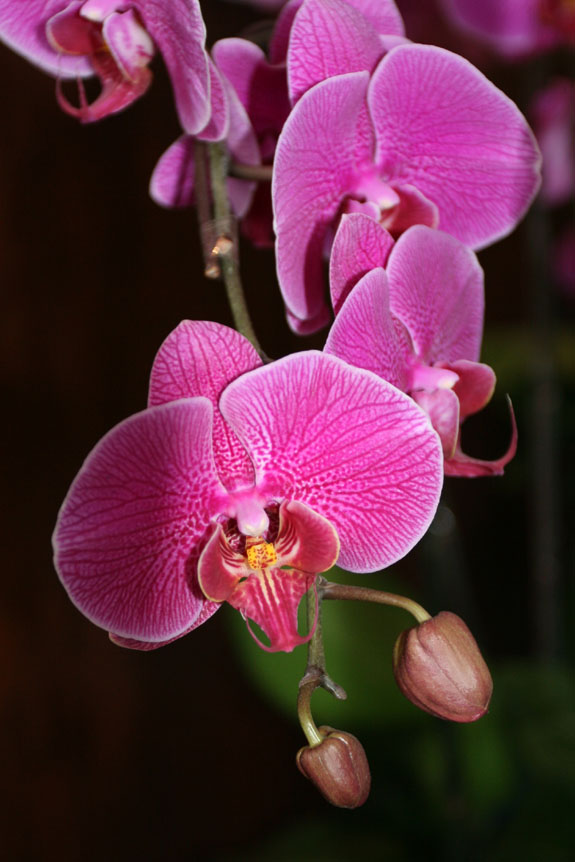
360, 245
463, 465
366, 335
178, 30
218, 125
172, 183
219, 567
69, 33
128, 42
311, 324
512, 27
443, 128
413, 208
23, 27
436, 290
329, 37
270, 597
201, 358
442, 407
347, 444
208, 610
475, 386
314, 166
306, 541
131, 524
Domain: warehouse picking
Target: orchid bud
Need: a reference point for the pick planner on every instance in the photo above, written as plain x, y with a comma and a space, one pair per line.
338, 767
438, 667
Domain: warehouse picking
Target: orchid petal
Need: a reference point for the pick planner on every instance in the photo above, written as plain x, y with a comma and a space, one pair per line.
314, 167
360, 245
69, 33
220, 568
436, 290
129, 44
311, 325
328, 37
208, 610
463, 465
24, 28
413, 208
172, 183
270, 597
442, 407
178, 30
260, 86
345, 443
219, 123
442, 127
366, 335
201, 358
306, 541
130, 528
475, 386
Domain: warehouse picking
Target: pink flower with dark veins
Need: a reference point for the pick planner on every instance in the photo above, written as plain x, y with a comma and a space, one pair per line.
240, 483
427, 139
116, 40
516, 28
417, 324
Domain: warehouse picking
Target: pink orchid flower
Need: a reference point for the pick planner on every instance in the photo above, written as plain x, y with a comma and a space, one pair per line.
405, 146
116, 41
240, 483
417, 324
516, 28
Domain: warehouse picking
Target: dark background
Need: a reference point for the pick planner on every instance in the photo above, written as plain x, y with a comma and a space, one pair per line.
188, 752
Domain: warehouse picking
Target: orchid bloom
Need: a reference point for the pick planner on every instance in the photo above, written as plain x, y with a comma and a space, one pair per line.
240, 483
418, 324
116, 40
552, 111
516, 28
405, 146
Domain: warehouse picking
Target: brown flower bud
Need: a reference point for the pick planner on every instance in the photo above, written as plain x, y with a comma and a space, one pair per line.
338, 767
438, 667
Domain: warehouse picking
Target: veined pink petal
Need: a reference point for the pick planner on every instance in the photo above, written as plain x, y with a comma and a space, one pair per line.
172, 183
23, 28
311, 324
130, 529
270, 597
201, 358
208, 610
436, 290
475, 386
178, 30
315, 165
366, 335
360, 245
443, 128
463, 465
219, 123
306, 541
260, 86
442, 407
329, 37
347, 444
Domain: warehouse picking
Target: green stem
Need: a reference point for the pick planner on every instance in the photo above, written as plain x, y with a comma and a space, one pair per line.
329, 590
258, 173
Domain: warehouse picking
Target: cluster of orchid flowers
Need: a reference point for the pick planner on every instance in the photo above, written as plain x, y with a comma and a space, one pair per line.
245, 479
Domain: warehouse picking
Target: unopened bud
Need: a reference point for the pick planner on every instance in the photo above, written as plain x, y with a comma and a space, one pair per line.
338, 767
439, 668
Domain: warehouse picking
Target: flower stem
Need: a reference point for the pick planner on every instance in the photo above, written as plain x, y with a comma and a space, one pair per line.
316, 675
329, 590
258, 173
219, 234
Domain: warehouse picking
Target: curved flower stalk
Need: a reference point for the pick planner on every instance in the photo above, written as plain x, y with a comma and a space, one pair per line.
516, 28
405, 146
240, 483
116, 41
418, 324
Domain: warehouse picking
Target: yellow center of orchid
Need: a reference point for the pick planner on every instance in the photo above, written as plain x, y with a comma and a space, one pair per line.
260, 554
